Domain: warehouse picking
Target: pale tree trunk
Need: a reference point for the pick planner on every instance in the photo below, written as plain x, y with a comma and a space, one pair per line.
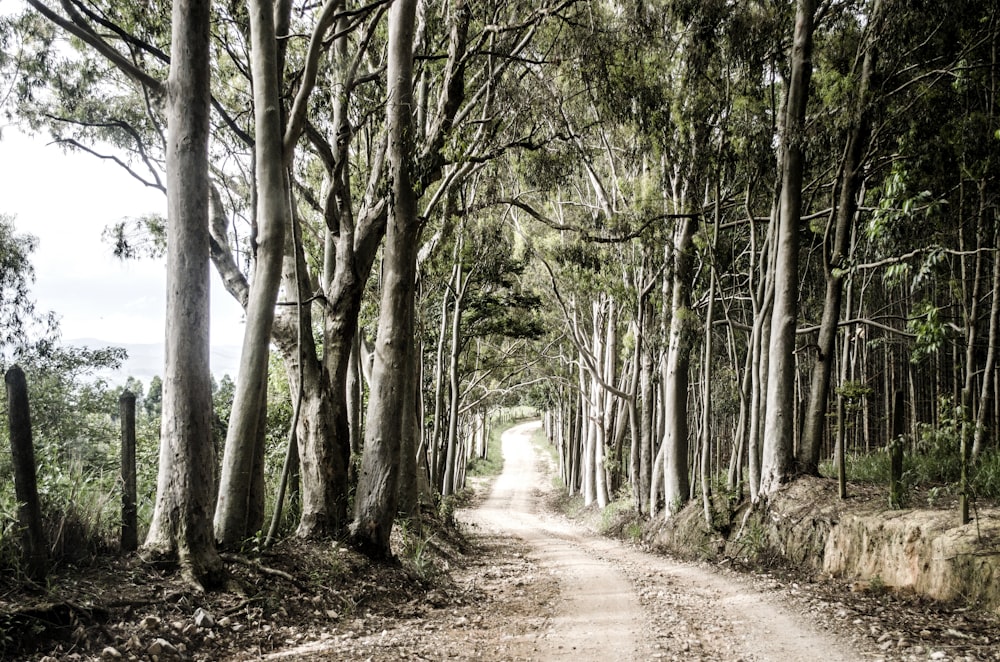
181, 526
438, 454
245, 435
761, 302
635, 437
847, 206
676, 371
587, 486
971, 312
647, 404
322, 452
409, 492
602, 408
986, 393
376, 497
706, 413
777, 460
451, 458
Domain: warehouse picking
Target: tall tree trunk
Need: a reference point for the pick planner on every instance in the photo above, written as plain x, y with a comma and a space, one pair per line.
323, 449
646, 408
449, 486
376, 498
676, 371
602, 399
850, 185
986, 393
587, 436
181, 526
777, 461
245, 436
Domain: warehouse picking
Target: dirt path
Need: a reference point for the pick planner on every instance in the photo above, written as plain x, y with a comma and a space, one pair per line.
538, 587
615, 602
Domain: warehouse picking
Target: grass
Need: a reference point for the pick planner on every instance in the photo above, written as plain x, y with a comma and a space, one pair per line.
934, 469
500, 422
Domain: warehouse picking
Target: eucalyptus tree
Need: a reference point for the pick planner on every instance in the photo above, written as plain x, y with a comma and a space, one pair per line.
836, 253
235, 520
181, 524
777, 460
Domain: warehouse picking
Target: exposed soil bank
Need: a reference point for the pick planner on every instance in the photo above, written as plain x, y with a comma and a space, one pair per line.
807, 525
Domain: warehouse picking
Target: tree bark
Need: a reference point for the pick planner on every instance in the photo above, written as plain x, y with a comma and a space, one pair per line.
29, 511
181, 526
676, 370
376, 498
851, 177
986, 391
777, 461
245, 435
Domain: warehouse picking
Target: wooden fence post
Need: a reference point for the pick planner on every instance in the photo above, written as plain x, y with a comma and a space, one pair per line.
130, 532
29, 512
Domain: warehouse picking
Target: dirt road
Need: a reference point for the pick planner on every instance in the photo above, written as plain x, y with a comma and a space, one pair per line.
538, 587
617, 603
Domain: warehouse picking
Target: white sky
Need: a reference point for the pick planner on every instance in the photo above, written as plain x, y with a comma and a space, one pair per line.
66, 200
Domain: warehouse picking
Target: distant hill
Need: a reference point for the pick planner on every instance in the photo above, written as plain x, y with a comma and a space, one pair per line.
145, 360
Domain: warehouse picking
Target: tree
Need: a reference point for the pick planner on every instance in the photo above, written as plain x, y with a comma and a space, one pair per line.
18, 317
849, 185
376, 498
777, 462
181, 527
235, 518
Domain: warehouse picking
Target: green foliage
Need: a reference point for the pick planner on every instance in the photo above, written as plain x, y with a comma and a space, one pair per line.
416, 551
492, 464
136, 238
897, 212
76, 434
20, 324
926, 324
931, 463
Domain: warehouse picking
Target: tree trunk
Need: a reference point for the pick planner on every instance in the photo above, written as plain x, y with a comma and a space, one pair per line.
676, 371
646, 409
376, 498
847, 206
323, 448
245, 436
777, 461
181, 526
986, 393
454, 386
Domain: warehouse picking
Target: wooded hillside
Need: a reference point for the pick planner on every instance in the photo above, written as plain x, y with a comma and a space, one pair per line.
709, 240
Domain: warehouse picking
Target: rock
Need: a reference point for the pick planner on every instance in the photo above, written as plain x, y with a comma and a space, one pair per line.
151, 623
161, 647
111, 653
225, 622
938, 655
203, 619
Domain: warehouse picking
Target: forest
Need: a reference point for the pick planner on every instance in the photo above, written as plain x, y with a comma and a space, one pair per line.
718, 245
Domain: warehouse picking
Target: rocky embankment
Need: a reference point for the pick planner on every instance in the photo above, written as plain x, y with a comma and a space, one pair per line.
924, 551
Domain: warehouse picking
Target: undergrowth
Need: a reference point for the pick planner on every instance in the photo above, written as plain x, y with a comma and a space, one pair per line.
931, 467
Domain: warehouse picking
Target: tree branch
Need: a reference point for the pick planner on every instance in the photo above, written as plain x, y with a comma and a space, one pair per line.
78, 27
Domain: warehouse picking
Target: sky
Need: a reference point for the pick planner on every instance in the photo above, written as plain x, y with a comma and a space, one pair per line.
66, 200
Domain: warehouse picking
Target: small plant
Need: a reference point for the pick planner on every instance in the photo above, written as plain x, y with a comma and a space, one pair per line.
877, 585
753, 540
936, 494
446, 509
415, 552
